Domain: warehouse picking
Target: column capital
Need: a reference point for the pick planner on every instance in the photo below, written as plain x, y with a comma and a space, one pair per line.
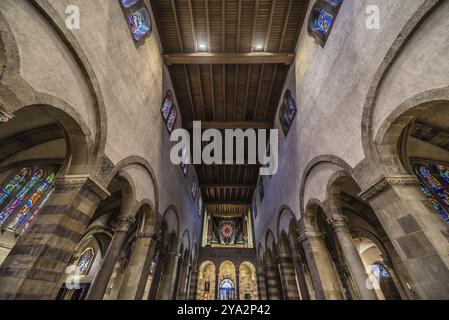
84, 181
5, 116
384, 183
124, 223
338, 222
310, 235
149, 235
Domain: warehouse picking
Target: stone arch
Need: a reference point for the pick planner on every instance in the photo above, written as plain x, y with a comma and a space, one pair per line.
18, 93
386, 142
285, 216
171, 215
140, 161
395, 50
70, 41
314, 163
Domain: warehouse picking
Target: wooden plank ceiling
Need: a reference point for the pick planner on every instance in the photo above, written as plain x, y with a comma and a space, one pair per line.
228, 61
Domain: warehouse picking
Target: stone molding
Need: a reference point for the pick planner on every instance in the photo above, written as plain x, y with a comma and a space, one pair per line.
382, 184
149, 235
338, 222
124, 223
5, 116
84, 181
310, 235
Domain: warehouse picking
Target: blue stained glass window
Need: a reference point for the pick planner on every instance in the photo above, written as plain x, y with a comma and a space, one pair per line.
380, 271
18, 200
128, 3
85, 261
443, 171
434, 189
324, 21
139, 23
14, 184
26, 212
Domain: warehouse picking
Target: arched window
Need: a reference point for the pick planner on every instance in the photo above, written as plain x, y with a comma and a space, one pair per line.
84, 262
434, 179
288, 112
169, 112
140, 23
261, 188
31, 194
322, 19
227, 290
128, 3
25, 214
194, 189
200, 206
14, 184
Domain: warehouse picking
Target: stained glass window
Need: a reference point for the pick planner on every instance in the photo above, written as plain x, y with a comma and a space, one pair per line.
435, 186
287, 112
324, 21
167, 105
128, 3
85, 261
14, 184
25, 213
36, 212
200, 206
380, 271
139, 23
194, 188
261, 189
172, 119
18, 200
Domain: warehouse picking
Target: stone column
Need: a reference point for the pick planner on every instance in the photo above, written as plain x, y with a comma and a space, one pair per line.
273, 282
37, 262
136, 273
300, 275
193, 283
100, 283
168, 280
416, 231
237, 284
352, 257
288, 278
217, 278
261, 284
323, 278
183, 279
156, 282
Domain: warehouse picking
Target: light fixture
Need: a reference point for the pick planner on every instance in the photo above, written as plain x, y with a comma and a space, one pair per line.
202, 47
259, 47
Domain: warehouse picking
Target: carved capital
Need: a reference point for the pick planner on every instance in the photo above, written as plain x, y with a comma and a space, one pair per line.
124, 223
336, 221
149, 235
86, 182
5, 116
310, 235
386, 182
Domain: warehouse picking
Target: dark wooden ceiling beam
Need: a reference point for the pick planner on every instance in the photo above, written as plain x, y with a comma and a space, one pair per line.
270, 25
229, 58
178, 30
228, 203
258, 91
231, 125
192, 22
284, 31
211, 185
